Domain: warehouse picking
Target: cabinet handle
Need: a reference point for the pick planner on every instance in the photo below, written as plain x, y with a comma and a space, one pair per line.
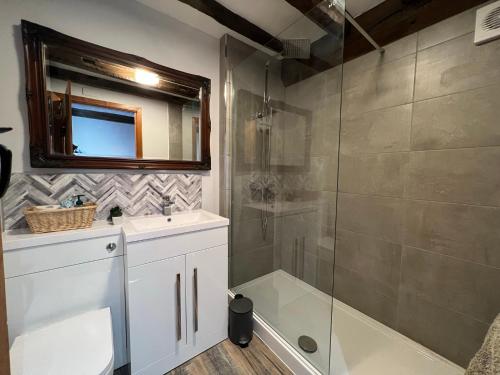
195, 286
178, 306
111, 247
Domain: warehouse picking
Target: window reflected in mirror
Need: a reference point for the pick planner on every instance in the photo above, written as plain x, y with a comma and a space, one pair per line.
92, 126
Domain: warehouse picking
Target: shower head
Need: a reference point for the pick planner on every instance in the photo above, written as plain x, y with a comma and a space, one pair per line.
296, 49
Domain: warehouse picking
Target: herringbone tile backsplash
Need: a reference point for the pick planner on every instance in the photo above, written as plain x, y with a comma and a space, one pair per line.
137, 194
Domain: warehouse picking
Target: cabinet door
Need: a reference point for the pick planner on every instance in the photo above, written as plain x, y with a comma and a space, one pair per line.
157, 323
207, 299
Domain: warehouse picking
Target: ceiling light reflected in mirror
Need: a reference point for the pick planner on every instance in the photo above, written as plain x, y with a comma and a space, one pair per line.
145, 77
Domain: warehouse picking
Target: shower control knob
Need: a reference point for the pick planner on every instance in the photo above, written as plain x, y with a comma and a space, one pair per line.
111, 247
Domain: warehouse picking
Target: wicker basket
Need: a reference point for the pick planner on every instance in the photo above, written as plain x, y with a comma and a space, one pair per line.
53, 220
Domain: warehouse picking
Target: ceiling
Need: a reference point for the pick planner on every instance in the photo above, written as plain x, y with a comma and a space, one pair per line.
358, 7
277, 17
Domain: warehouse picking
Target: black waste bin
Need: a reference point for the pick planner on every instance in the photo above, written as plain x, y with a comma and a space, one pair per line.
241, 320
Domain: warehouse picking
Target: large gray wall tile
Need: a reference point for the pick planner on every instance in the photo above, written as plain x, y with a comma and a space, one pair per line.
466, 119
451, 28
248, 235
456, 65
376, 216
462, 231
385, 86
393, 51
461, 286
325, 132
318, 90
249, 265
380, 174
358, 291
451, 334
385, 130
376, 259
462, 176
322, 174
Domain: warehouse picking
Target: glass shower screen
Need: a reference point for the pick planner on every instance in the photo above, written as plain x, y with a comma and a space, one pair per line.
281, 153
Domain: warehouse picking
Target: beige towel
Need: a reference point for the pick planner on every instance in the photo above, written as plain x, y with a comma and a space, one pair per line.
487, 359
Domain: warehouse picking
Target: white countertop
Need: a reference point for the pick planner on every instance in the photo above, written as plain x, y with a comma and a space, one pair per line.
21, 238
154, 226
133, 229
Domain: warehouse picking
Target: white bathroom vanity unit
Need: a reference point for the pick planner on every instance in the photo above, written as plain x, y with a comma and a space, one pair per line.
176, 287
162, 280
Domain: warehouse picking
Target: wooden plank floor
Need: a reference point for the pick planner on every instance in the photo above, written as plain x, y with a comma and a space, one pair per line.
229, 359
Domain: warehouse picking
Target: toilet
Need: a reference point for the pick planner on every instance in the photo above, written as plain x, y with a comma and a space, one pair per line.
81, 345
65, 305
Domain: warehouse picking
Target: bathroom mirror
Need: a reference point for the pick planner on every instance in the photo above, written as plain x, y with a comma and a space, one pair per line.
93, 107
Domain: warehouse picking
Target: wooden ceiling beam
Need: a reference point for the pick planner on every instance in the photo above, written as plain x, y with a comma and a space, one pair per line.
235, 22
395, 19
244, 27
386, 23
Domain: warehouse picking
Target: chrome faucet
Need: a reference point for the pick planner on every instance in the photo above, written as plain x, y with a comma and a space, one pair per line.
167, 205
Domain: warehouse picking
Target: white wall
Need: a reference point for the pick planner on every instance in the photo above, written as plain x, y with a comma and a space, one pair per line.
124, 25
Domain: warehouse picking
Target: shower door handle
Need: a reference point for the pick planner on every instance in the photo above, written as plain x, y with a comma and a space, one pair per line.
195, 297
178, 306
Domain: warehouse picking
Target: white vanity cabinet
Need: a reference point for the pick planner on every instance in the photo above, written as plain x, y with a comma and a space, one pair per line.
156, 304
206, 286
177, 298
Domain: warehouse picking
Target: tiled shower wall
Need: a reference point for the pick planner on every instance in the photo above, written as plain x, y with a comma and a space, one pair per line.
137, 194
243, 71
418, 245
304, 192
313, 187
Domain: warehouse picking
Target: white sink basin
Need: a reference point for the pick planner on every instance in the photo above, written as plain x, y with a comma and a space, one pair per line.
153, 222
145, 227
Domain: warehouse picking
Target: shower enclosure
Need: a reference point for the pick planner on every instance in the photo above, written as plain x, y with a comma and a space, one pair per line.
282, 113
352, 228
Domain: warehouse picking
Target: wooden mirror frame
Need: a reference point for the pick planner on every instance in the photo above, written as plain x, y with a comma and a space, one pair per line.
34, 38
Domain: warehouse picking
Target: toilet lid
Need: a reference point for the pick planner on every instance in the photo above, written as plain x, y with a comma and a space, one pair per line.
80, 345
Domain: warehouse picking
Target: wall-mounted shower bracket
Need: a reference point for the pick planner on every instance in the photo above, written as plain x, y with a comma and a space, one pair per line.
352, 21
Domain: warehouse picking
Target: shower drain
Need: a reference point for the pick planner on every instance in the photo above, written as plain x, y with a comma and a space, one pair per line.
308, 344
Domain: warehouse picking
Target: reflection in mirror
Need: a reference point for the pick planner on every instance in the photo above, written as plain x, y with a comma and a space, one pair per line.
99, 108
92, 126
279, 138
